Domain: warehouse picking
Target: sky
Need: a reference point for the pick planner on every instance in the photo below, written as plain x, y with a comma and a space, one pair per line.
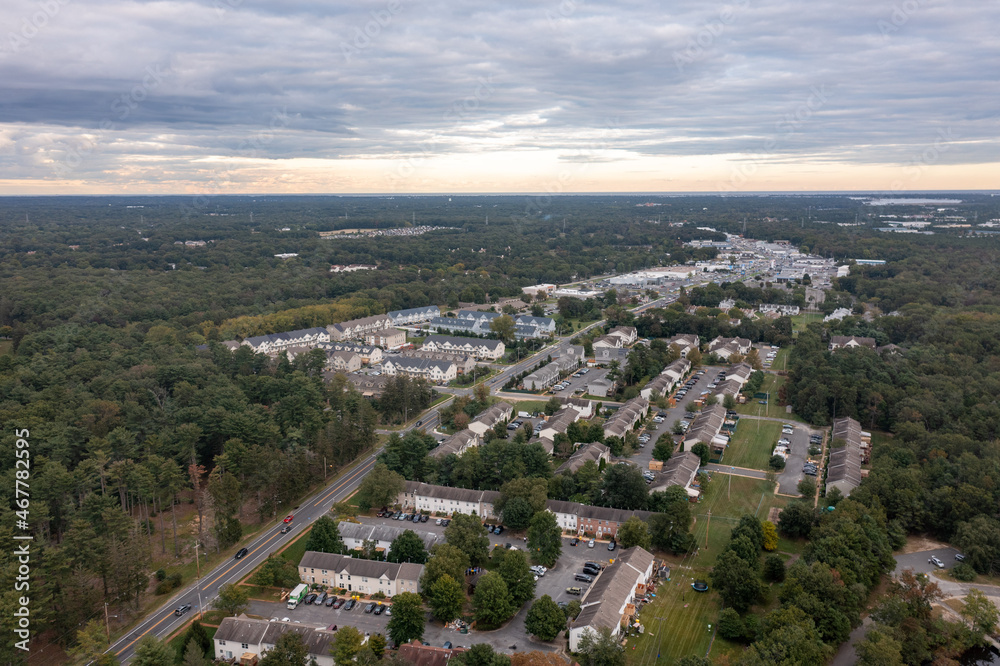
464, 96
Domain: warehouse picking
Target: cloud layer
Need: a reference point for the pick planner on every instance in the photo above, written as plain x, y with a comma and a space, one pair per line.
464, 95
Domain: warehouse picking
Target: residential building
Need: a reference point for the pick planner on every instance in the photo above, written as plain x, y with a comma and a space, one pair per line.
685, 342
418, 654
350, 268
612, 341
413, 315
627, 416
678, 370
607, 355
446, 500
274, 343
603, 522
463, 362
370, 355
459, 325
360, 576
356, 329
356, 534
600, 388
459, 443
726, 347
665, 382
844, 469
482, 316
245, 640
542, 378
838, 314
595, 452
438, 372
789, 310
387, 338
582, 405
534, 290
565, 513
370, 386
343, 361
558, 423
611, 598
499, 412
848, 341
482, 349
527, 332
680, 470
706, 427
545, 324
627, 334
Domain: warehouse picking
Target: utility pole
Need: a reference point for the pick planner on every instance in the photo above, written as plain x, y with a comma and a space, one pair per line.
201, 609
707, 526
107, 622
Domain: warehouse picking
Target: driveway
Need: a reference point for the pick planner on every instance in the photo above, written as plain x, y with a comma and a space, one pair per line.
789, 478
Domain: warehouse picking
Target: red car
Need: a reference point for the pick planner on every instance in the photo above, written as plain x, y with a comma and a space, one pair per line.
288, 518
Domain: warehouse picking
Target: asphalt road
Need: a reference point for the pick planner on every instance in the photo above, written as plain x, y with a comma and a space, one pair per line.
163, 622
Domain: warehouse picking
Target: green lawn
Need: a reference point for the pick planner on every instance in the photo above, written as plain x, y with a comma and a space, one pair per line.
780, 361
296, 549
676, 623
800, 321
752, 444
772, 383
530, 406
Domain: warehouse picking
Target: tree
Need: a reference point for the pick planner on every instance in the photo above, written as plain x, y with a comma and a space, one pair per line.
151, 651
702, 451
481, 654
807, 488
325, 537
980, 613
289, 650
446, 598
730, 625
770, 534
624, 487
736, 581
503, 327
346, 644
491, 601
729, 402
377, 644
600, 648
469, 535
445, 559
193, 656
195, 634
979, 540
695, 357
634, 532
753, 359
776, 462
796, 519
227, 498
519, 578
692, 660
552, 406
380, 487
517, 513
774, 569
545, 619
878, 648
233, 599
664, 447
407, 547
544, 538
407, 621
277, 572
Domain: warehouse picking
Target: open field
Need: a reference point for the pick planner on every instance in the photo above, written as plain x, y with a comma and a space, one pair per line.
772, 383
676, 624
295, 550
800, 321
752, 444
530, 406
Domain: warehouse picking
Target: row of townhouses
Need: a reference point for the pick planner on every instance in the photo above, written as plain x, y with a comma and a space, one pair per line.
844, 469
360, 576
665, 382
434, 371
726, 347
355, 535
490, 350
463, 440
245, 640
611, 600
627, 416
686, 342
478, 323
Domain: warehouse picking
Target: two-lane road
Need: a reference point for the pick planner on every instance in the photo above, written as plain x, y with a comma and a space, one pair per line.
163, 622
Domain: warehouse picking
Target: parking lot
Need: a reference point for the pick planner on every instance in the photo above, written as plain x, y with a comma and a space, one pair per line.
578, 385
798, 452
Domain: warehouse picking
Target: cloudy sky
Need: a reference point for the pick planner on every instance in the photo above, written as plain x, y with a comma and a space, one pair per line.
227, 96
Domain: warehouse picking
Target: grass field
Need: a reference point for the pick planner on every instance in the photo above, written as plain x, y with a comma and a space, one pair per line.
800, 321
296, 549
780, 361
752, 444
676, 623
772, 383
530, 406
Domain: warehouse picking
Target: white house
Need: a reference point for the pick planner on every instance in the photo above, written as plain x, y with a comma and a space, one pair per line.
413, 315
362, 576
685, 343
432, 370
244, 640
499, 412
459, 443
542, 378
626, 417
628, 334
273, 343
611, 598
482, 349
447, 500
356, 534
357, 328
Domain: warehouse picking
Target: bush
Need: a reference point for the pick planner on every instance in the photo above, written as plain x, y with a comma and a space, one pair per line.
774, 569
963, 572
161, 575
777, 463
378, 595
807, 488
731, 625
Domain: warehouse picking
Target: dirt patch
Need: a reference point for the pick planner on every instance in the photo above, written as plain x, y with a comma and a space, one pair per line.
773, 514
916, 544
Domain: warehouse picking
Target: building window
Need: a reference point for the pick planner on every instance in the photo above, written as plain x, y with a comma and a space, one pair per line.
222, 642
245, 646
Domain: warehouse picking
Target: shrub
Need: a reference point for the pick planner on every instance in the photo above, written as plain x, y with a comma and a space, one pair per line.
731, 625
963, 572
161, 575
774, 569
777, 463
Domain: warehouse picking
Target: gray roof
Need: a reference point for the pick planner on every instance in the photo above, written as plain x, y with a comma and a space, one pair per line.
593, 451
388, 533
678, 471
707, 424
412, 311
449, 493
242, 629
612, 589
453, 340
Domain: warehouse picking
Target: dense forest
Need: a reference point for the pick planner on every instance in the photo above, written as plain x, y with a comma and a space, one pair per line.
133, 427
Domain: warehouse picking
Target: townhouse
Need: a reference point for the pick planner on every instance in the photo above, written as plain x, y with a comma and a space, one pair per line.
787, 310
680, 470
387, 338
370, 355
356, 534
343, 361
558, 424
594, 452
245, 640
844, 471
665, 382
610, 601
626, 417
627, 334
458, 325
356, 329
850, 341
499, 412
482, 316
706, 428
685, 343
482, 349
605, 355
463, 362
413, 315
443, 499
418, 654
612, 341
360, 576
438, 372
274, 343
601, 388
545, 325
526, 332
370, 386
459, 443
603, 522
542, 378
726, 347
582, 405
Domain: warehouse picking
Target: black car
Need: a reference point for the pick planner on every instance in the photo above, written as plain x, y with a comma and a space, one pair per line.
369, 608
379, 609
330, 601
584, 578
498, 530
349, 605
320, 599
241, 552
286, 529
591, 571
310, 598
183, 608
574, 541
424, 518
420, 422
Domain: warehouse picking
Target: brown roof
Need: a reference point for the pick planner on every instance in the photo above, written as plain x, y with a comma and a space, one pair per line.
427, 655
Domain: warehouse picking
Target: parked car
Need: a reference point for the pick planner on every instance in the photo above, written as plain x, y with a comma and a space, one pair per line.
338, 602
349, 604
583, 578
379, 609
369, 608
424, 518
936, 562
447, 645
574, 541
310, 598
446, 522
574, 590
330, 601
241, 553
321, 599
437, 522
590, 544
183, 608
960, 557
498, 530
416, 517
611, 545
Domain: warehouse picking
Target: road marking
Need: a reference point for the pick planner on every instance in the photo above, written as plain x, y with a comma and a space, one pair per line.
143, 634
345, 482
239, 562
